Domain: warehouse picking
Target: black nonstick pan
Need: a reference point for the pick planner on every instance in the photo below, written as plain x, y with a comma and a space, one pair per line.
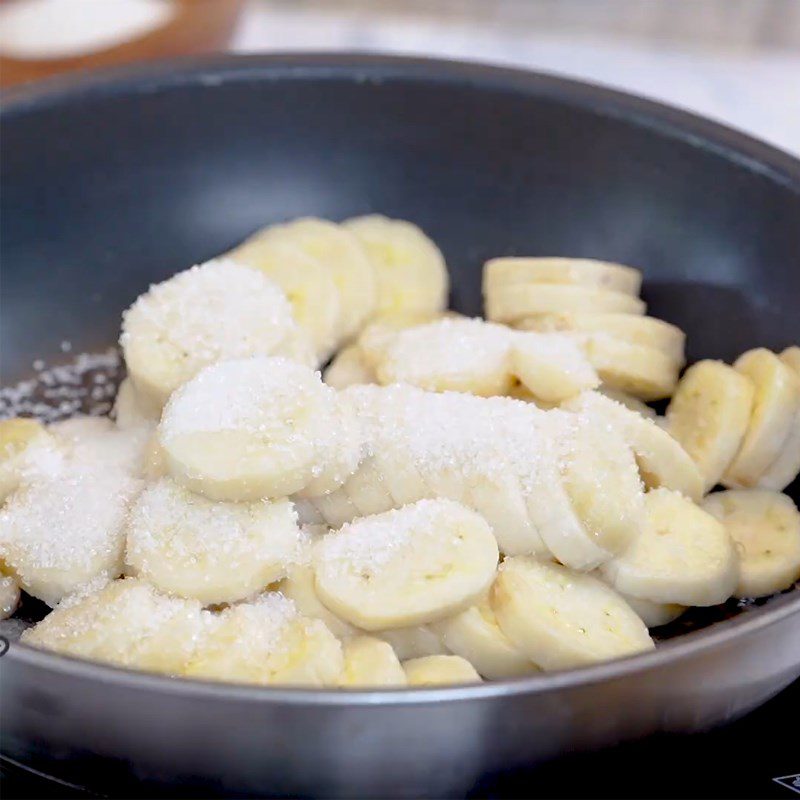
110, 183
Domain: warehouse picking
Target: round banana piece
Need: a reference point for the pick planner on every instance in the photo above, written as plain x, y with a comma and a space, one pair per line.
786, 467
645, 331
654, 615
214, 312
335, 508
349, 368
376, 336
59, 532
683, 556
410, 270
126, 623
407, 567
560, 618
346, 260
367, 490
552, 367
460, 355
9, 596
414, 642
512, 271
629, 401
442, 670
307, 282
791, 357
765, 526
249, 429
216, 553
709, 415
129, 412
510, 304
662, 461
369, 663
776, 402
267, 642
640, 371
26, 450
475, 635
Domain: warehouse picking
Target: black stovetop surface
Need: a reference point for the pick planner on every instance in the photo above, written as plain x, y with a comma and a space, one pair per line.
739, 761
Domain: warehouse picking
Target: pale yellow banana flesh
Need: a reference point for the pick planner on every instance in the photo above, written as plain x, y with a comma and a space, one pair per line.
446, 670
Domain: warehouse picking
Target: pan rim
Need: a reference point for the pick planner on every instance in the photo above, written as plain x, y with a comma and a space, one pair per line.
725, 142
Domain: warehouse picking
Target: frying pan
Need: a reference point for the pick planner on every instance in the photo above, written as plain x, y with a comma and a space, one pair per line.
117, 181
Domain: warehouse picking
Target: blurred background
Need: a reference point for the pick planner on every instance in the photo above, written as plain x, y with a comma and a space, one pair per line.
737, 61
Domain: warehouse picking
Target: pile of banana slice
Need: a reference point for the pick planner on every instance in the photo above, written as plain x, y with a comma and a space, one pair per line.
457, 500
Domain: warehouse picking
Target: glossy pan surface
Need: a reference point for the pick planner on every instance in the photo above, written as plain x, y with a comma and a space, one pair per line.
114, 182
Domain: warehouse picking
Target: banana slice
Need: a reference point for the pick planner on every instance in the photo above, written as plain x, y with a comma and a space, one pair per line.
578, 271
268, 642
127, 623
367, 490
775, 404
513, 303
460, 355
785, 468
378, 334
641, 371
307, 282
349, 368
551, 366
645, 331
407, 567
370, 662
474, 635
345, 259
791, 357
654, 615
61, 531
26, 450
410, 270
662, 461
214, 312
602, 480
561, 619
336, 508
249, 429
766, 529
414, 642
439, 671
709, 415
9, 596
216, 553
129, 412
629, 401
683, 555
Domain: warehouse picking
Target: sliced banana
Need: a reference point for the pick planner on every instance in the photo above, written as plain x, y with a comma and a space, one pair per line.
26, 449
551, 366
129, 412
9, 596
414, 642
638, 370
791, 357
785, 468
683, 555
513, 303
336, 508
59, 532
475, 635
709, 415
439, 671
307, 282
629, 401
267, 642
560, 618
249, 429
407, 567
378, 334
775, 404
662, 461
460, 355
645, 331
349, 368
410, 270
126, 623
217, 311
216, 553
370, 662
765, 526
654, 615
579, 271
367, 490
